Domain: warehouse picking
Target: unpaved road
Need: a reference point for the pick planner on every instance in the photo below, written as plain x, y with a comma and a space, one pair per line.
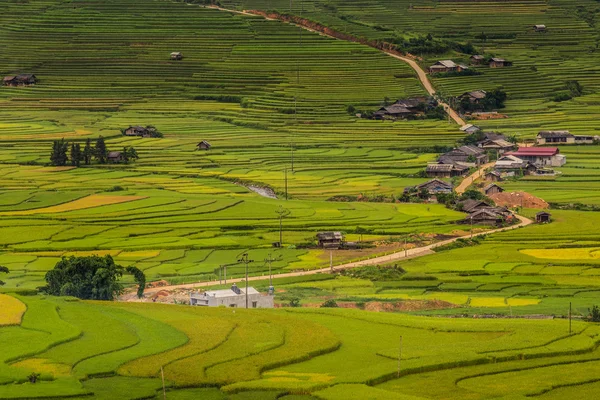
397, 256
460, 189
421, 74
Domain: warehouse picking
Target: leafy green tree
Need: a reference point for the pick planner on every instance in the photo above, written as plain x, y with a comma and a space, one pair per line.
594, 313
155, 133
76, 156
100, 151
125, 155
140, 278
92, 278
130, 153
88, 152
59, 156
4, 270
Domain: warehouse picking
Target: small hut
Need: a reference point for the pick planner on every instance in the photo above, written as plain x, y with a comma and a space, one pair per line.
203, 145
115, 157
330, 240
539, 28
176, 55
492, 188
543, 217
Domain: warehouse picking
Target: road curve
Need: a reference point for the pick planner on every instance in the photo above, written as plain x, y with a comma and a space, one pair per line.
397, 256
421, 74
460, 189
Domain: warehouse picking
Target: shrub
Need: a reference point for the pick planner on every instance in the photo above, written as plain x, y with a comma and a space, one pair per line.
331, 303
595, 313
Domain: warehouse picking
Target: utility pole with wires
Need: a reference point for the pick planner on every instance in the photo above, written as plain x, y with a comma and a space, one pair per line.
471, 219
282, 213
269, 260
570, 315
399, 356
285, 183
244, 259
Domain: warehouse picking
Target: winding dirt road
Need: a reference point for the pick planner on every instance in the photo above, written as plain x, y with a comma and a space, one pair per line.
460, 189
421, 74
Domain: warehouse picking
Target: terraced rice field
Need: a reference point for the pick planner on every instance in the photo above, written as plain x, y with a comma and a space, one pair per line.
317, 353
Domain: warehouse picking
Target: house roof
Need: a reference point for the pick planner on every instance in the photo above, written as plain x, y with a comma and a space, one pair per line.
330, 236
440, 167
491, 185
485, 213
540, 26
471, 150
496, 59
114, 154
535, 151
470, 204
477, 57
497, 143
469, 127
396, 109
543, 213
554, 134
225, 293
8, 78
438, 182
477, 94
495, 173
203, 142
447, 63
176, 53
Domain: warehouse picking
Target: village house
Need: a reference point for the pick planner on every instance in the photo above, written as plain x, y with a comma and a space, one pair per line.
466, 155
442, 170
491, 189
546, 137
474, 97
493, 176
330, 240
404, 108
539, 28
509, 165
136, 131
434, 186
394, 111
470, 128
20, 80
540, 156
488, 216
499, 63
542, 217
501, 146
477, 59
446, 66
203, 145
176, 55
472, 205
115, 157
234, 297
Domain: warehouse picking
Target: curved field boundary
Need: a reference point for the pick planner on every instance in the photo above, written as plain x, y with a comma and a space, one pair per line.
91, 201
384, 47
11, 311
397, 256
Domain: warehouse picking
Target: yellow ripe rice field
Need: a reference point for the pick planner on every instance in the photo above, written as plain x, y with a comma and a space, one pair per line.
11, 310
79, 204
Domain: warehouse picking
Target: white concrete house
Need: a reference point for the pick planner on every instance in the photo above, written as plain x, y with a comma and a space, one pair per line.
234, 297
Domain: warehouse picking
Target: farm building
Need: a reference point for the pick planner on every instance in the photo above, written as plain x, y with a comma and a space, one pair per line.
435, 186
176, 55
499, 63
493, 176
446, 66
234, 297
586, 139
20, 80
393, 111
115, 157
539, 28
330, 240
472, 205
136, 131
203, 145
540, 156
509, 165
545, 137
487, 216
492, 188
404, 108
474, 97
442, 170
466, 155
477, 59
470, 128
500, 145
542, 217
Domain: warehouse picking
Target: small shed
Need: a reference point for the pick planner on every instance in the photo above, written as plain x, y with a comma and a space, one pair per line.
176, 55
499, 63
470, 128
539, 28
543, 217
115, 157
492, 188
493, 176
203, 145
135, 131
330, 240
477, 59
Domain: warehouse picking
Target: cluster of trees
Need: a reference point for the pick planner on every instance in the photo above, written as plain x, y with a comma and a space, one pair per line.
493, 100
90, 278
430, 45
572, 89
60, 155
4, 270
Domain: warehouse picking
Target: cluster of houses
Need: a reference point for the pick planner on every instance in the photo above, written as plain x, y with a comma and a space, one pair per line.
405, 108
444, 66
20, 80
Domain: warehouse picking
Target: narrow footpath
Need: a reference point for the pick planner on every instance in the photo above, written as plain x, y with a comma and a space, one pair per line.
421, 74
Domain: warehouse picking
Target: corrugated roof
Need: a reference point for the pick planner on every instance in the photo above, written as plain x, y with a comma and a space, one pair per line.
535, 151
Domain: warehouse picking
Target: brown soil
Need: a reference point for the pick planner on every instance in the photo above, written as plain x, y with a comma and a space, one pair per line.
157, 284
518, 199
404, 305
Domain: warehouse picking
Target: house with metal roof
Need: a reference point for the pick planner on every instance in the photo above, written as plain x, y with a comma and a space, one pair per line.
235, 297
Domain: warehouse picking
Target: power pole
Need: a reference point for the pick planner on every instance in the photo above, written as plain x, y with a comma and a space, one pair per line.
282, 212
220, 269
162, 374
286, 183
471, 227
405, 246
225, 273
570, 314
331, 261
246, 261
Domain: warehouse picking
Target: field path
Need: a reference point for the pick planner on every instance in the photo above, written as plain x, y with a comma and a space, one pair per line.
421, 74
397, 256
460, 189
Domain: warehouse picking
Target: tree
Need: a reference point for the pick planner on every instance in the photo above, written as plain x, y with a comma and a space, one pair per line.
594, 313
76, 156
331, 303
92, 278
100, 151
131, 153
4, 270
88, 152
125, 155
155, 133
59, 156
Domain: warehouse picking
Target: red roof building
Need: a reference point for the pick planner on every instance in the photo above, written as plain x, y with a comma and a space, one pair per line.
540, 156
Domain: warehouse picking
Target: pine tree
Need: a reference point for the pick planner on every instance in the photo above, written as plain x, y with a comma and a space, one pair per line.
88, 152
100, 151
59, 156
76, 155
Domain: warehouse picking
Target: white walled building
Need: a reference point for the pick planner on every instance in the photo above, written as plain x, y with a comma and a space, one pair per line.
233, 297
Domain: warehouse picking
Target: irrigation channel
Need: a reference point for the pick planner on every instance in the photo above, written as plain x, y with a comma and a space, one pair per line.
321, 30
